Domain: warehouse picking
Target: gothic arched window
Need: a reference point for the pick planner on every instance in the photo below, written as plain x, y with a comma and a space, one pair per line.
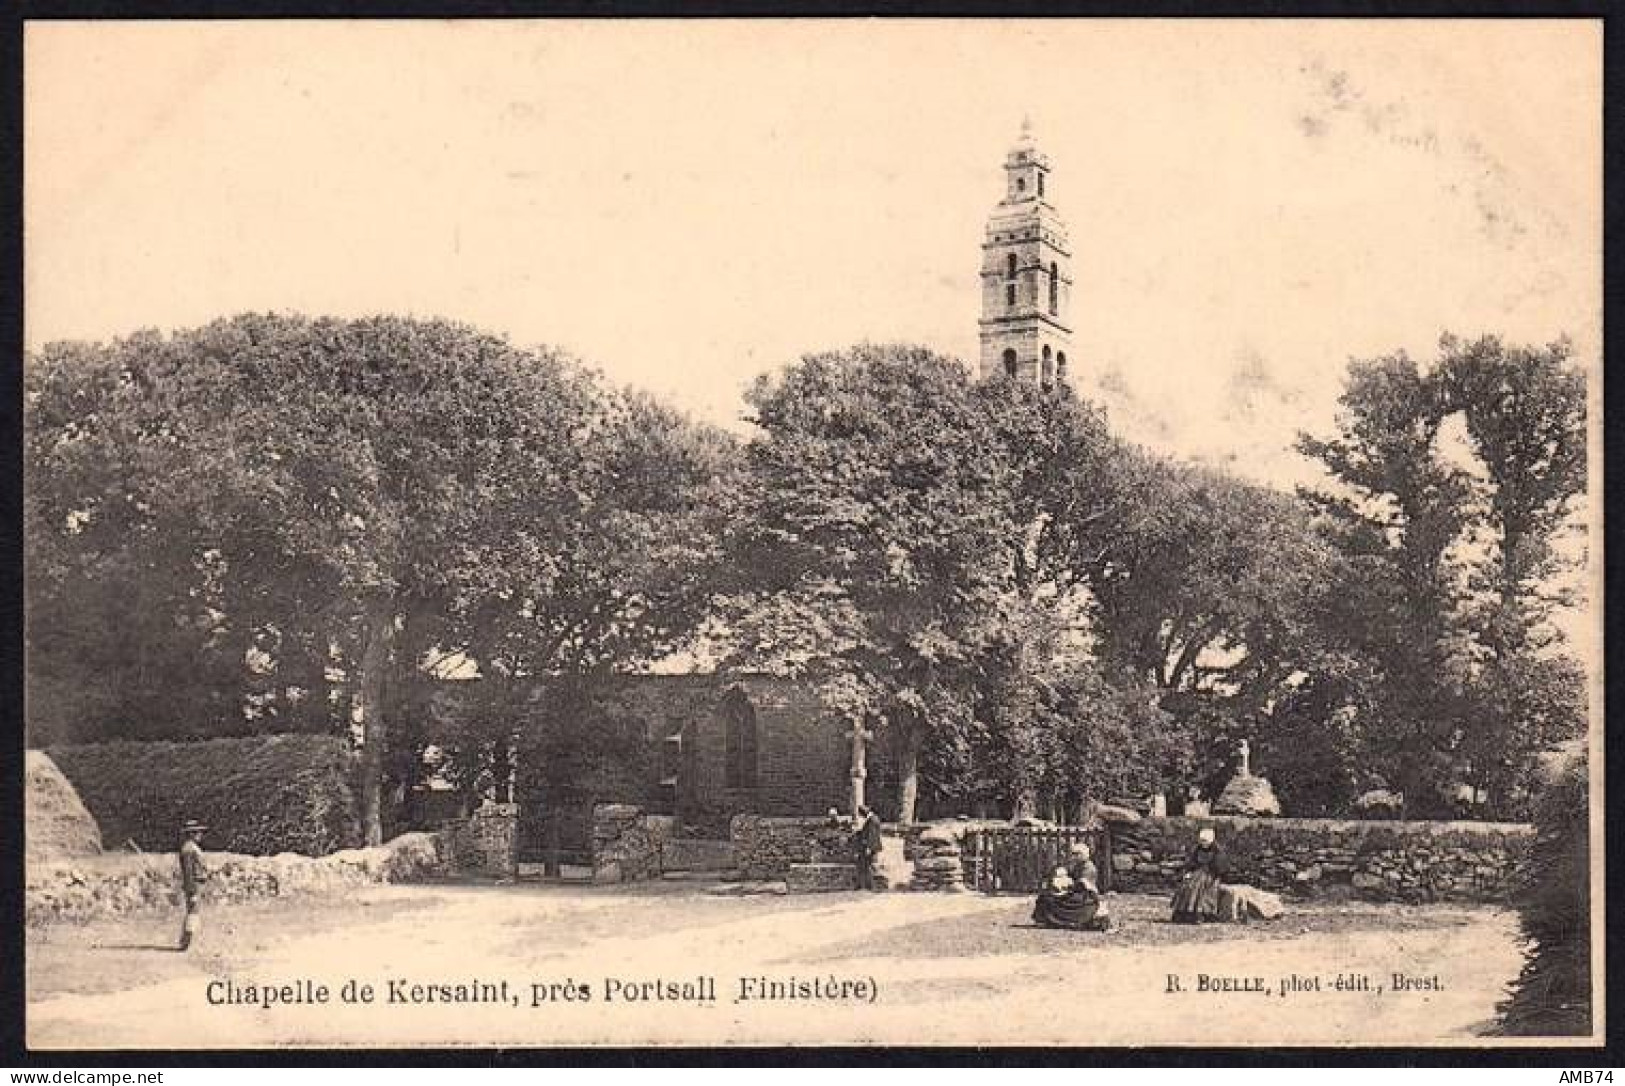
1060, 365
1010, 294
1010, 265
739, 741
1010, 362
1047, 372
1054, 288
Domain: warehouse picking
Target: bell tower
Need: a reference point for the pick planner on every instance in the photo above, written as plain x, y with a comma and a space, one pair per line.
1026, 275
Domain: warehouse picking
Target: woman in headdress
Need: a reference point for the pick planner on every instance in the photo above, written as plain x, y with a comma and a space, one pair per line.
1070, 897
1197, 898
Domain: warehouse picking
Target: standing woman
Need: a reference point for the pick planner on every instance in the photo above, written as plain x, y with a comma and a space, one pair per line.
1197, 898
193, 876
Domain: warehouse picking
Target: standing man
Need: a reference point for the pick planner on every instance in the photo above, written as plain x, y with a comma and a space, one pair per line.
193, 876
866, 844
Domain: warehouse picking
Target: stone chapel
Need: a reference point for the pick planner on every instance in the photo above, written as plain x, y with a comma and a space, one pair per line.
720, 745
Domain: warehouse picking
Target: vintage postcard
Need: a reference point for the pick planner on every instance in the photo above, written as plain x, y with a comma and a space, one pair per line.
851, 532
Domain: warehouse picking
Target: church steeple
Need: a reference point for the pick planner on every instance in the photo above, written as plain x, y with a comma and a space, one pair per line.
1026, 274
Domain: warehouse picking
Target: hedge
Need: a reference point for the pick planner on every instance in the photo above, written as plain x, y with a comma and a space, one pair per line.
259, 795
1551, 996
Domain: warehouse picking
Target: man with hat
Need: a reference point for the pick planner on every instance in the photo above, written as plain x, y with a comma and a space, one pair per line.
193, 875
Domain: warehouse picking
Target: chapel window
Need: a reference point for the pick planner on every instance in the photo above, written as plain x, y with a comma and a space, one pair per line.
1010, 362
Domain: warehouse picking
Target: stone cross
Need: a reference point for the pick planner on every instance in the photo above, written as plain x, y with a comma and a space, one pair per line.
1245, 752
860, 766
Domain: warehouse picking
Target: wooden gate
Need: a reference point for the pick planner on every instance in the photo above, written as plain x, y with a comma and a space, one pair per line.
557, 840
1019, 858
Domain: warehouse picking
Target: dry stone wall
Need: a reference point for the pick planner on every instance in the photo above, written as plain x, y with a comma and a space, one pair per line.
627, 844
821, 878
1379, 861
938, 862
487, 842
1375, 860
696, 854
765, 847
112, 884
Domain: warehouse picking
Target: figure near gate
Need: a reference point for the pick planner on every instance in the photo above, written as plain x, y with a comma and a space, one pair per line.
866, 846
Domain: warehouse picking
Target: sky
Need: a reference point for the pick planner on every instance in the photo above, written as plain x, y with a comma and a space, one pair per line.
686, 205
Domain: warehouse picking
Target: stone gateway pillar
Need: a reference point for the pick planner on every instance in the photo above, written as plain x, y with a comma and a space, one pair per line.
490, 841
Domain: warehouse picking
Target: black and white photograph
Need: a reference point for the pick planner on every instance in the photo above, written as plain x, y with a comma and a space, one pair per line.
812, 532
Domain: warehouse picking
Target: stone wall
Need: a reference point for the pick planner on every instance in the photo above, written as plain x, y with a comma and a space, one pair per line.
487, 841
697, 854
627, 844
938, 858
765, 847
956, 828
117, 883
1375, 860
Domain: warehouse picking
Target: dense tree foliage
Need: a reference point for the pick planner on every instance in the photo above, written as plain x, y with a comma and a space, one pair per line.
871, 509
951, 557
297, 501
1056, 451
979, 553
1525, 415
279, 524
1444, 589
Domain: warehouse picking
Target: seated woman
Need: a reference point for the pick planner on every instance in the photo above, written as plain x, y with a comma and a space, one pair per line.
1070, 897
1197, 899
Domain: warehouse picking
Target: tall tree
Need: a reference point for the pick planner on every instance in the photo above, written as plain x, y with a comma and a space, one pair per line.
1055, 450
1525, 414
1204, 587
1395, 509
1447, 588
125, 637
873, 526
367, 468
627, 579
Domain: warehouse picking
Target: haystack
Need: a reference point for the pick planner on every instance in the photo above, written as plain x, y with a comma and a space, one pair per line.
56, 825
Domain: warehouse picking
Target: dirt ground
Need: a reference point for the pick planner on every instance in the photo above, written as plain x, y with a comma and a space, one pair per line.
563, 965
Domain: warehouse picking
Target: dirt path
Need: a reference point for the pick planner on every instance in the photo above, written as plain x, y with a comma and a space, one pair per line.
946, 970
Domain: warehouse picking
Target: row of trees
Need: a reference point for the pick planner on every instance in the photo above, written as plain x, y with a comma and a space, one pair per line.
272, 522
1455, 484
